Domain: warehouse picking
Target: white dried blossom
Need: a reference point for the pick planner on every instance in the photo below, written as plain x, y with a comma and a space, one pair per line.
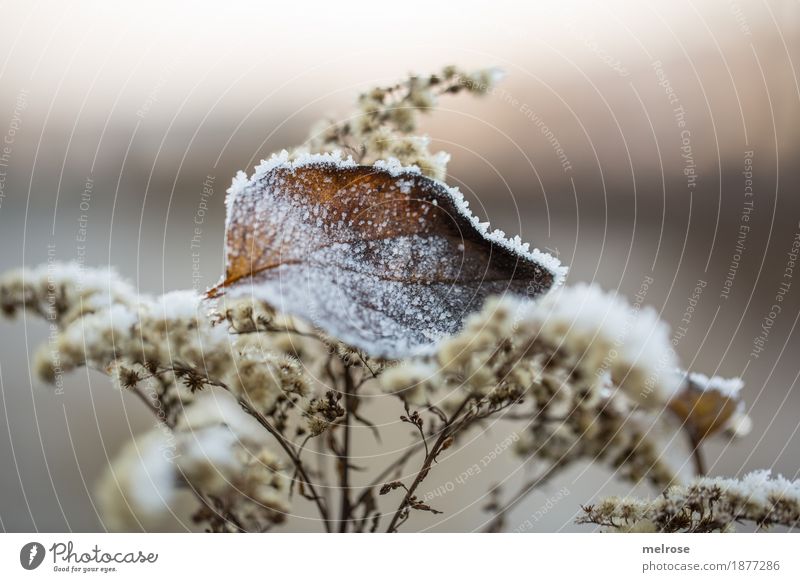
593, 335
316, 425
263, 377
215, 450
605, 334
63, 292
565, 354
411, 381
383, 125
137, 489
321, 412
705, 505
171, 346
155, 332
254, 378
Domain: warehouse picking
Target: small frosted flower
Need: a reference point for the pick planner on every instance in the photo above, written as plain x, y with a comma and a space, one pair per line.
411, 382
215, 448
386, 118
316, 425
705, 505
137, 489
606, 335
256, 379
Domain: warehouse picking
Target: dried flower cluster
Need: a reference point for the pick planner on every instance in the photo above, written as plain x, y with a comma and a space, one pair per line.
383, 126
245, 393
216, 455
592, 374
704, 505
565, 375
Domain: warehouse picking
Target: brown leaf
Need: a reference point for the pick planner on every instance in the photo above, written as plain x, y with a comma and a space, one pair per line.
385, 260
704, 411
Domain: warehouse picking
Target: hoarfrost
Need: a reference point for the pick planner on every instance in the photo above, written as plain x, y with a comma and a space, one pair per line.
379, 256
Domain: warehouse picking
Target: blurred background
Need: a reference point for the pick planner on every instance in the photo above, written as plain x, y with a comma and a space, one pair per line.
619, 140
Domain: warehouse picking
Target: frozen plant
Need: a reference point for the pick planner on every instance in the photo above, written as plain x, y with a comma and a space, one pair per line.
704, 505
358, 282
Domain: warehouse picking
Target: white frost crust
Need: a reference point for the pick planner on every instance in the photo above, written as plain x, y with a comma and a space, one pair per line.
730, 387
185, 304
758, 487
628, 341
395, 168
515, 245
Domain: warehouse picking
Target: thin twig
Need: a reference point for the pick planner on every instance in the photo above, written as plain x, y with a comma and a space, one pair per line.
299, 455
323, 511
447, 430
395, 467
417, 422
697, 452
349, 406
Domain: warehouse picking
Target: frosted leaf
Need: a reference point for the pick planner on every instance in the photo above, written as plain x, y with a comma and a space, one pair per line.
382, 258
709, 405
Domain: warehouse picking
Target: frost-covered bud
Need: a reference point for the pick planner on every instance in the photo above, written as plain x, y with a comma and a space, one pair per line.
608, 336
264, 484
215, 449
411, 382
316, 425
707, 504
255, 379
291, 376
247, 315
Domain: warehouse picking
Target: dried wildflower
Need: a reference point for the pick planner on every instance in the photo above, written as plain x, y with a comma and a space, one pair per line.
704, 505
710, 405
382, 126
215, 449
410, 381
583, 360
